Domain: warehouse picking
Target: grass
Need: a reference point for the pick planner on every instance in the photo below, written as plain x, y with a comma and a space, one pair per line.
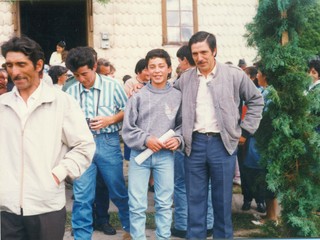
241, 222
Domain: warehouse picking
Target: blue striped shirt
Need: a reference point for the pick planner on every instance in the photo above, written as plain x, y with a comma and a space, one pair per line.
106, 94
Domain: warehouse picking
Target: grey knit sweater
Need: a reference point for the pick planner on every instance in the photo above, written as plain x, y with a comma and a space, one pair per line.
151, 112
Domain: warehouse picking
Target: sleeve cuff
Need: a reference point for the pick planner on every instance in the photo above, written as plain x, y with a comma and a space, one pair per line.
245, 133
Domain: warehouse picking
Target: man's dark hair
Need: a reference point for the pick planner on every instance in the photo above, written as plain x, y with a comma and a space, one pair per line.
159, 53
126, 78
184, 52
79, 57
55, 72
203, 36
251, 71
260, 65
102, 62
141, 64
314, 63
62, 44
25, 45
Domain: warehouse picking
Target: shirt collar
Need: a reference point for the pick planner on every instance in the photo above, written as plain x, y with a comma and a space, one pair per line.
212, 73
314, 84
96, 85
34, 96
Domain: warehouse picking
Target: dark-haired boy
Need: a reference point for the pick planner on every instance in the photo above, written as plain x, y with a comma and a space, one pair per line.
103, 100
149, 114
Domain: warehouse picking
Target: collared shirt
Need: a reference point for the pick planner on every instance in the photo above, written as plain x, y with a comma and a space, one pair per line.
105, 98
313, 85
24, 108
206, 120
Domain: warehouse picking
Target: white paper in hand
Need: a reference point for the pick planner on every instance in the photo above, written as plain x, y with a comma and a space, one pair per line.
148, 152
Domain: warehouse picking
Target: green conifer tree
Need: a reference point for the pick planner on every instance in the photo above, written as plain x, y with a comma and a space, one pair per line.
287, 140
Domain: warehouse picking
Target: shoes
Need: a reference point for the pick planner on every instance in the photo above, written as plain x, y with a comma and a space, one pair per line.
237, 181
151, 188
126, 236
209, 232
258, 222
263, 221
261, 207
246, 206
106, 229
257, 216
182, 233
178, 233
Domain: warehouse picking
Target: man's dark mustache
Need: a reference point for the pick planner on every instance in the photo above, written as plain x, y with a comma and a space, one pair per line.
18, 78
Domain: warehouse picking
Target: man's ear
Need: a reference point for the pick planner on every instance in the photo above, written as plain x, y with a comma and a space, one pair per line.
39, 65
95, 67
215, 52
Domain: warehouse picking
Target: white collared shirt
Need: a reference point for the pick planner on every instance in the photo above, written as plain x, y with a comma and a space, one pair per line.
24, 108
206, 120
314, 84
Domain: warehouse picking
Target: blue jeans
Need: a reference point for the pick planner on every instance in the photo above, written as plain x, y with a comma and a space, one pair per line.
161, 163
209, 159
180, 196
109, 162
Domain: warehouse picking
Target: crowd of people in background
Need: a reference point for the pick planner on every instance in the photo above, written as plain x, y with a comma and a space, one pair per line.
213, 145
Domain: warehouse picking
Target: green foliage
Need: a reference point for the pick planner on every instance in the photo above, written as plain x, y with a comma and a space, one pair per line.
103, 1
309, 34
286, 138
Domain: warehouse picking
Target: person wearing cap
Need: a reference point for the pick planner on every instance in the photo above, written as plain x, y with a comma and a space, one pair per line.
242, 64
58, 75
56, 57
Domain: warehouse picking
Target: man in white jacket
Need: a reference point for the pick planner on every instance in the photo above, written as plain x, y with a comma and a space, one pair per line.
44, 138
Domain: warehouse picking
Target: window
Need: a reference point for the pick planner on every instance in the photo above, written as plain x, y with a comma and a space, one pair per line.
179, 20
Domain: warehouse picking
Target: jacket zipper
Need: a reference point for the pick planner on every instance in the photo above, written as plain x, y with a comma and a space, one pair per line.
22, 174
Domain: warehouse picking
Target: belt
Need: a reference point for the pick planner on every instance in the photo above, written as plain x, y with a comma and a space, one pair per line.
210, 134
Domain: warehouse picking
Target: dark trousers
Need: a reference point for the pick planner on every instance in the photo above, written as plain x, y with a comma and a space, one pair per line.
209, 159
47, 226
256, 188
253, 183
245, 185
101, 202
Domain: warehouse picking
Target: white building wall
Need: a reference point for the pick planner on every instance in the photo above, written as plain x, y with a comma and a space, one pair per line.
6, 23
226, 19
135, 27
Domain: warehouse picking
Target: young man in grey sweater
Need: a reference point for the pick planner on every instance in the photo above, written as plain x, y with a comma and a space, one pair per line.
149, 114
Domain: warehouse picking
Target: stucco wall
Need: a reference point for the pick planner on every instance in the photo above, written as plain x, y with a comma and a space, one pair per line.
135, 27
6, 23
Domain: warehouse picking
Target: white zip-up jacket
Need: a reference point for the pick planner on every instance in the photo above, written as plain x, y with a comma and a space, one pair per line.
55, 140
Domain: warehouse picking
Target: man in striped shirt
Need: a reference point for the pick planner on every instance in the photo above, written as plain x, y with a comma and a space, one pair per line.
102, 99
